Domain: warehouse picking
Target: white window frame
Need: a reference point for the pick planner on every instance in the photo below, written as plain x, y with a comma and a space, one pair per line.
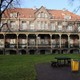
42, 26
13, 25
59, 27
32, 26
23, 25
53, 27
39, 25
70, 28
46, 26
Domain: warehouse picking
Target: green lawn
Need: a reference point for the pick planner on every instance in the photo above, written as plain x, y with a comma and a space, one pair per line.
22, 67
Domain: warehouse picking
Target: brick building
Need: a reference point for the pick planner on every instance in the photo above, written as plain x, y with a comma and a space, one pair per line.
39, 31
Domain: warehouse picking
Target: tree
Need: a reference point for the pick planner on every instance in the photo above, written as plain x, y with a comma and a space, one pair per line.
5, 4
77, 8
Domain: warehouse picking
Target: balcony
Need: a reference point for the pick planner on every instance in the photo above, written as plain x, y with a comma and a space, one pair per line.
8, 45
21, 45
55, 45
74, 46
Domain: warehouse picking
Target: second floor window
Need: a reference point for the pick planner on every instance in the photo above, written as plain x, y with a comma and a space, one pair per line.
23, 25
59, 27
46, 26
13, 15
70, 28
39, 27
53, 26
13, 25
32, 26
42, 15
79, 27
42, 25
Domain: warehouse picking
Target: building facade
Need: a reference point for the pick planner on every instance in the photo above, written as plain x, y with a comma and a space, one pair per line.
39, 31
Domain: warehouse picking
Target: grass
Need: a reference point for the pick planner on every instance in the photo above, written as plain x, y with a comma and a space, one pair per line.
22, 67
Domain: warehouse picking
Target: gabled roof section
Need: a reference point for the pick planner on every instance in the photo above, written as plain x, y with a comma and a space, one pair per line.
22, 12
42, 9
31, 13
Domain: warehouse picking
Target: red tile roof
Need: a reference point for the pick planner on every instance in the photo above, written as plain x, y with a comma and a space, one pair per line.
30, 13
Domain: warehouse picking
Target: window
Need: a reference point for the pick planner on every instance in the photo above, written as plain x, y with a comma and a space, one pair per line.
78, 26
1, 43
13, 15
46, 26
23, 26
39, 25
39, 15
42, 15
12, 41
59, 27
0, 24
70, 28
13, 25
46, 15
32, 26
32, 42
67, 17
53, 26
23, 41
42, 25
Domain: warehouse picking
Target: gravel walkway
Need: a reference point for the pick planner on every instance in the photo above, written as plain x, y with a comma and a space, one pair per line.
46, 72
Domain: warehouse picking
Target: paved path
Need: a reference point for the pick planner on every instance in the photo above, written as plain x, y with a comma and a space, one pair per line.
46, 72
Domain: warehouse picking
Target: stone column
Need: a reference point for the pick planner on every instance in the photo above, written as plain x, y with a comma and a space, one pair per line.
60, 43
4, 45
26, 43
17, 49
68, 41
79, 40
36, 44
51, 42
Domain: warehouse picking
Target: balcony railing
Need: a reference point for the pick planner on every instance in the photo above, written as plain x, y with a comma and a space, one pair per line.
64, 30
55, 45
64, 46
74, 46
32, 45
44, 45
11, 46
21, 45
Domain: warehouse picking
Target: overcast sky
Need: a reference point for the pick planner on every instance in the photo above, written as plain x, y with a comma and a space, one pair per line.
51, 4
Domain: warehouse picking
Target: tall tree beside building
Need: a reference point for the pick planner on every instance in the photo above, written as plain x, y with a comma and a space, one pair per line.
5, 4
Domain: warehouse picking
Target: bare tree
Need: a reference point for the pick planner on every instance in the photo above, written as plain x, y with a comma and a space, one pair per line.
77, 8
5, 4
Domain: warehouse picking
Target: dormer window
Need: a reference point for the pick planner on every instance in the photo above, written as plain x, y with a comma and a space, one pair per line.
42, 15
13, 15
67, 17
